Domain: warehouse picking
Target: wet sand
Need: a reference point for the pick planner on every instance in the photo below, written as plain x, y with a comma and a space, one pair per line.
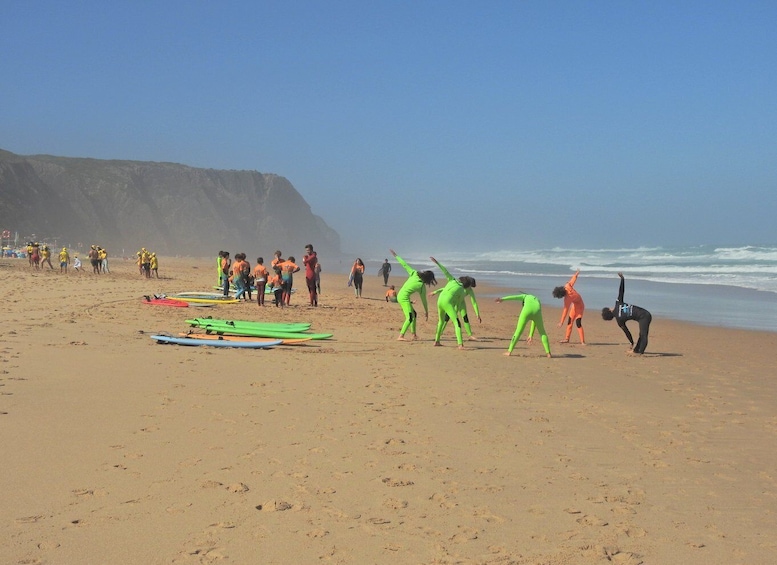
363, 449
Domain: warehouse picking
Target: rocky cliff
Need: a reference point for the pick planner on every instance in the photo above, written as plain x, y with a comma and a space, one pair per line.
170, 208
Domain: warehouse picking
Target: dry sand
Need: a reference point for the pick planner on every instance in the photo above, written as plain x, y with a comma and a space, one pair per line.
363, 449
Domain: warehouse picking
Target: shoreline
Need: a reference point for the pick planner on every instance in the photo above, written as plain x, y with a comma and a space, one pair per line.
362, 447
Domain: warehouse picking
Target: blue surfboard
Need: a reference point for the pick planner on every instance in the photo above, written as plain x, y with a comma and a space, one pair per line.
215, 343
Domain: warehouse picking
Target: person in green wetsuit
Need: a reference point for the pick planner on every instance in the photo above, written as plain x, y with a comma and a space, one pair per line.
415, 283
450, 303
531, 311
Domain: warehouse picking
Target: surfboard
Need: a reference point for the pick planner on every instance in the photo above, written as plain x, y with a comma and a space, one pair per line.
166, 339
222, 300
262, 332
164, 302
220, 337
280, 326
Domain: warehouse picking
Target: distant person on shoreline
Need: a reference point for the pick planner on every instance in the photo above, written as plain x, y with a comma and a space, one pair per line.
531, 311
624, 312
226, 263
415, 283
574, 306
154, 264
385, 270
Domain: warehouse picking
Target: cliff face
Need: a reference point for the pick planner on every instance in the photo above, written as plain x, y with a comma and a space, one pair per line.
172, 209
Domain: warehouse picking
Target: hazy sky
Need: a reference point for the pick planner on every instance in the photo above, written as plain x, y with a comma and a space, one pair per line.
426, 124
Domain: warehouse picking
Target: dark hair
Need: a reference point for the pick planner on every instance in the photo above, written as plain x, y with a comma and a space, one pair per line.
468, 282
428, 278
607, 314
559, 292
291, 258
260, 260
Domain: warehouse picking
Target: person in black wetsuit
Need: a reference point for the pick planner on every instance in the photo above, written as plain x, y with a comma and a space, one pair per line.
623, 312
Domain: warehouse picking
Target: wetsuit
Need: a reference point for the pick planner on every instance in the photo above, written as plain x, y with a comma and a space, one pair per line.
574, 306
624, 312
531, 311
412, 285
450, 304
310, 261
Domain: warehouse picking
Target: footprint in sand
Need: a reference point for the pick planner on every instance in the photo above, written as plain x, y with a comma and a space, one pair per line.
589, 520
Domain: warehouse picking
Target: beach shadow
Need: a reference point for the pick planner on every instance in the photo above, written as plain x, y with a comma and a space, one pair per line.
651, 354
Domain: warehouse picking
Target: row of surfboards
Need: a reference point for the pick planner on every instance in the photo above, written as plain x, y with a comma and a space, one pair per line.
242, 334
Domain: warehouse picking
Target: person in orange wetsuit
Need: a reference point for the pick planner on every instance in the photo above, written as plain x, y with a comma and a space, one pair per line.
261, 275
574, 306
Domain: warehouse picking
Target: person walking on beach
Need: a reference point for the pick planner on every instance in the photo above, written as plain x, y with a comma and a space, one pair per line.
414, 284
531, 311
624, 312
357, 277
385, 270
450, 302
574, 306
310, 260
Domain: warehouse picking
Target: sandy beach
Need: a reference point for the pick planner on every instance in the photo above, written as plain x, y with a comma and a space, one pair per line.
362, 449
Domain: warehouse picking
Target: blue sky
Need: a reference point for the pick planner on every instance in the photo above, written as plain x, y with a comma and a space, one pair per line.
422, 124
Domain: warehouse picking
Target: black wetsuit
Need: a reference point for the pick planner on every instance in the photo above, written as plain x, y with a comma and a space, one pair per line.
624, 312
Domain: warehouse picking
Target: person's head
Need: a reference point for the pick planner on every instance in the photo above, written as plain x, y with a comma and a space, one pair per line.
260, 260
277, 270
278, 253
428, 278
385, 260
391, 287
308, 249
607, 314
559, 292
467, 282
359, 261
291, 258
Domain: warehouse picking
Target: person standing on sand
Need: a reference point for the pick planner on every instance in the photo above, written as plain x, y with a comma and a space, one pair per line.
103, 253
260, 280
275, 283
226, 263
288, 268
64, 260
310, 260
155, 265
624, 312
76, 263
94, 259
318, 277
415, 283
531, 311
574, 306
385, 270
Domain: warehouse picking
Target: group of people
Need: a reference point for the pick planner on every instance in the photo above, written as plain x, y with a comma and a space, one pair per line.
451, 306
278, 280
148, 263
40, 254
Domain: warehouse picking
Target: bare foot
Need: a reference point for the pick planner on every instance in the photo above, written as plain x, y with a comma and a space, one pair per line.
401, 338
460, 347
506, 354
472, 338
437, 344
550, 356
564, 341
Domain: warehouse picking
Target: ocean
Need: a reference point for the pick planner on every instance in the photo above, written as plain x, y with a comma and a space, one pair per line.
733, 287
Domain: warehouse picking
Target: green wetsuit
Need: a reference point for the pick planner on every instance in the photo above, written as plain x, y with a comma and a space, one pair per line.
449, 303
412, 285
531, 311
461, 311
